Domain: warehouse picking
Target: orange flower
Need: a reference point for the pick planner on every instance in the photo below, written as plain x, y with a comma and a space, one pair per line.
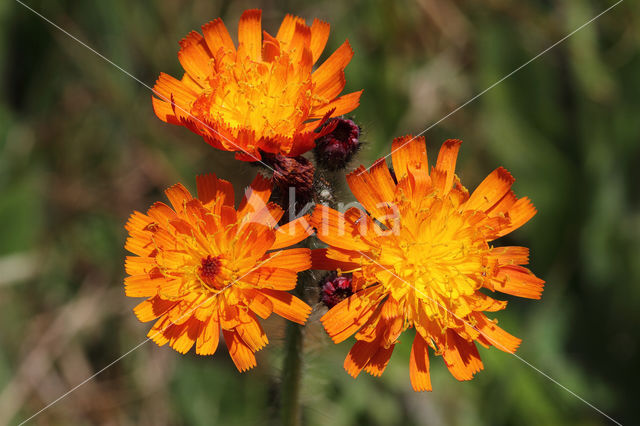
262, 95
420, 259
204, 267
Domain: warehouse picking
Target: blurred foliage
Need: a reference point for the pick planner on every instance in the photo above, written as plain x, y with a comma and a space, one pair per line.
80, 148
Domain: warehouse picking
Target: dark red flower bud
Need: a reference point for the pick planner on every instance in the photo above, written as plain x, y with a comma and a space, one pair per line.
335, 289
334, 150
292, 176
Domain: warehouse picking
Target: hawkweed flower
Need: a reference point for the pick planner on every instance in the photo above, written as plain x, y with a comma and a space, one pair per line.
421, 257
205, 266
262, 95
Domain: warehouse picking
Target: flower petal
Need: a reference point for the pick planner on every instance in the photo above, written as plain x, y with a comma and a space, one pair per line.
461, 357
240, 353
293, 232
288, 306
211, 189
419, 365
348, 316
491, 190
209, 336
407, 153
217, 37
446, 164
319, 38
250, 34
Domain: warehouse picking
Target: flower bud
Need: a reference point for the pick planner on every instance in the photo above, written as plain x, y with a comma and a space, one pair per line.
334, 150
289, 173
335, 288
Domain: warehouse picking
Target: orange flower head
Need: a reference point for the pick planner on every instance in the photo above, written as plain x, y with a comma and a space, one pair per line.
205, 266
421, 258
262, 95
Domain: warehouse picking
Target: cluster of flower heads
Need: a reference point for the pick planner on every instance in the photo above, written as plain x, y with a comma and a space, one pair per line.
418, 255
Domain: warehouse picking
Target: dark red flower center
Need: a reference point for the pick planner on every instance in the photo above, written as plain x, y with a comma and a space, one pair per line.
209, 268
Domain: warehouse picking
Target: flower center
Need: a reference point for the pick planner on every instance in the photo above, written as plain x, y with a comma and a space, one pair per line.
269, 98
439, 256
209, 269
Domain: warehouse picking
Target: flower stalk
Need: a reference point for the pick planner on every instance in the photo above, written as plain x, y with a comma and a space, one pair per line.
293, 361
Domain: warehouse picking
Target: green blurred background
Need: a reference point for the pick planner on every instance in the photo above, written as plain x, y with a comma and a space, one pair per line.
80, 148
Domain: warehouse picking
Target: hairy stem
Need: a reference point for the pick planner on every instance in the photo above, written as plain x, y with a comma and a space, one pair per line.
292, 368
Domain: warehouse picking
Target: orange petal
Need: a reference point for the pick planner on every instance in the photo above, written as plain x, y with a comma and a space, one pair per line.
461, 356
299, 43
342, 105
144, 285
495, 335
270, 47
138, 221
250, 34
419, 365
164, 110
319, 260
296, 259
503, 206
447, 163
288, 306
178, 195
253, 241
183, 336
171, 90
258, 303
375, 190
217, 36
359, 356
293, 232
256, 196
287, 29
406, 153
268, 215
273, 278
240, 353
348, 316
153, 308
182, 226
378, 362
194, 56
333, 229
329, 92
210, 188
319, 36
207, 342
518, 281
482, 302
252, 334
139, 246
510, 255
161, 212
491, 190
519, 213
156, 334
136, 265
331, 69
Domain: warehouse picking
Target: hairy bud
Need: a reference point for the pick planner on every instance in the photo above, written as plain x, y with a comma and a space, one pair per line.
335, 289
291, 172
333, 151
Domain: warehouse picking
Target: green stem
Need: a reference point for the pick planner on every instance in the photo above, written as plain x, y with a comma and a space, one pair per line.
292, 367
